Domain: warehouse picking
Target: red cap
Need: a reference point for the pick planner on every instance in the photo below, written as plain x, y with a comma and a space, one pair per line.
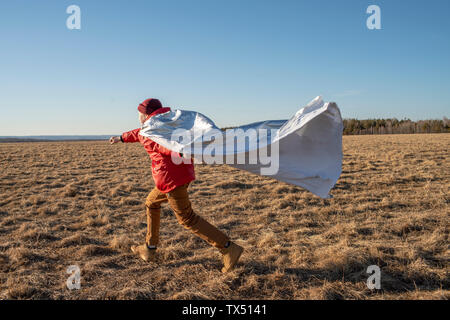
149, 105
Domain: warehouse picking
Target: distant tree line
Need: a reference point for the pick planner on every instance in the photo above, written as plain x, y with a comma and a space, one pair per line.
389, 126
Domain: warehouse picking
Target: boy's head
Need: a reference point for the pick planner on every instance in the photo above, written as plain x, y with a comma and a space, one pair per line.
148, 107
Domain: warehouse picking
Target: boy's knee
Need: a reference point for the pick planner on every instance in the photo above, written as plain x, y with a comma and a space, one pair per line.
187, 219
152, 205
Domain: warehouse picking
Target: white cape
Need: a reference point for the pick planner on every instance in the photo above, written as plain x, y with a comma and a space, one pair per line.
309, 144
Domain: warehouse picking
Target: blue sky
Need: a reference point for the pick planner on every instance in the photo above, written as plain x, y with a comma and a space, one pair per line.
235, 61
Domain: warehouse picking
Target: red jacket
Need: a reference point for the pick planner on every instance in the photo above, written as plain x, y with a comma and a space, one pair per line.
167, 175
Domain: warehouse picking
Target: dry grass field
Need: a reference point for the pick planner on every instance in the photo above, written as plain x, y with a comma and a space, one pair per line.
82, 203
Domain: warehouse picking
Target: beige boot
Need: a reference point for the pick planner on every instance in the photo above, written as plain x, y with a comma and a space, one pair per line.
231, 255
146, 254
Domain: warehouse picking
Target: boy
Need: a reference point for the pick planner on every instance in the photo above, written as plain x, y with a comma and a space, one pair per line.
171, 184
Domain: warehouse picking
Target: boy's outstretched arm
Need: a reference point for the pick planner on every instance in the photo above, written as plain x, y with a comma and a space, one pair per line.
130, 136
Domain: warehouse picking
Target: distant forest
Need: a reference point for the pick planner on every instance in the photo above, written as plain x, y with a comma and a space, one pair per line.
392, 126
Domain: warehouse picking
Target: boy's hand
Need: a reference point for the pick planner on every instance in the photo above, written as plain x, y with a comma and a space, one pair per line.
114, 140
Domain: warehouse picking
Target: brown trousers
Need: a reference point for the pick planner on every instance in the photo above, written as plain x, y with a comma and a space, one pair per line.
178, 200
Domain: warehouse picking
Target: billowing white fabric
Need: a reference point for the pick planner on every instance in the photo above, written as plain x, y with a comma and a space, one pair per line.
309, 144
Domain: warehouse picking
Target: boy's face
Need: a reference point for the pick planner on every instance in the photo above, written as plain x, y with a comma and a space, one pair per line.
142, 117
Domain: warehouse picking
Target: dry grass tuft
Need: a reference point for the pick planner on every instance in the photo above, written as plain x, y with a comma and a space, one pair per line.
23, 257
121, 243
95, 250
